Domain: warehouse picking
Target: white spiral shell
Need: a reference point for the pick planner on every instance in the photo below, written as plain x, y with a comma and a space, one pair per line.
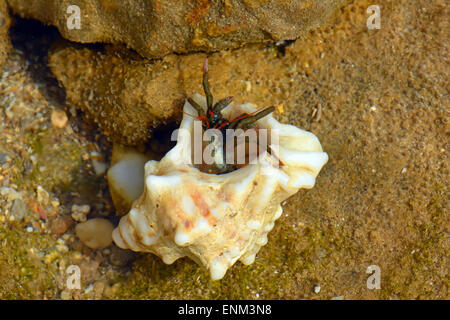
218, 219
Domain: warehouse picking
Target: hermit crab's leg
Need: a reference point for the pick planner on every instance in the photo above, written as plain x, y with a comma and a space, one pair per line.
234, 123
197, 107
222, 104
209, 97
249, 120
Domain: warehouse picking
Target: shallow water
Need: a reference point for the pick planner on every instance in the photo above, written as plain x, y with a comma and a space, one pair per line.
376, 99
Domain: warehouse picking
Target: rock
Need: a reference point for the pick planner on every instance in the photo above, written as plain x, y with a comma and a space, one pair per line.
61, 224
137, 94
59, 119
80, 212
99, 288
95, 233
4, 38
66, 295
127, 97
120, 257
42, 196
9, 193
98, 163
156, 28
111, 291
126, 177
19, 209
4, 158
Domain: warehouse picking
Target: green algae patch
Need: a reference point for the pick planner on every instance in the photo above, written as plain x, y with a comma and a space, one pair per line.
414, 272
58, 165
22, 256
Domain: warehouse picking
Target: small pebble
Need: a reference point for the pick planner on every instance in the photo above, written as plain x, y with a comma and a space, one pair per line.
111, 291
89, 288
248, 86
52, 256
59, 119
62, 248
98, 163
120, 257
4, 158
317, 289
99, 288
77, 256
80, 212
95, 233
61, 224
9, 193
19, 209
66, 295
55, 203
42, 195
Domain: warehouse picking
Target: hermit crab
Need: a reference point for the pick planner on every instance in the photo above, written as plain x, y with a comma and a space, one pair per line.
212, 118
221, 212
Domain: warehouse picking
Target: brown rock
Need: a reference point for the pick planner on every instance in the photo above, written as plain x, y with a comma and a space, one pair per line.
120, 257
137, 94
4, 38
156, 28
127, 97
61, 224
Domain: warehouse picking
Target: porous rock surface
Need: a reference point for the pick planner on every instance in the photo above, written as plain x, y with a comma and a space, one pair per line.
4, 38
156, 28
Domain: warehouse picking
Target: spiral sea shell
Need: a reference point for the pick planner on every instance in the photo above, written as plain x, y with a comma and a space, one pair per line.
218, 219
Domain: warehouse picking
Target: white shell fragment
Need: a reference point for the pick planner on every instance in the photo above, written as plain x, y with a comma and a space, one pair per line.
218, 219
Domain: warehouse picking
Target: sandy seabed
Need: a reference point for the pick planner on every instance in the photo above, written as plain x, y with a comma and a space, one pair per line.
378, 101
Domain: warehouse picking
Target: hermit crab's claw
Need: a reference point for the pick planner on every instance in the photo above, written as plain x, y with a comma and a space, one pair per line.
209, 97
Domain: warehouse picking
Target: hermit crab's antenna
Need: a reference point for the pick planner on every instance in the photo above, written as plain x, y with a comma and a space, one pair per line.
209, 97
